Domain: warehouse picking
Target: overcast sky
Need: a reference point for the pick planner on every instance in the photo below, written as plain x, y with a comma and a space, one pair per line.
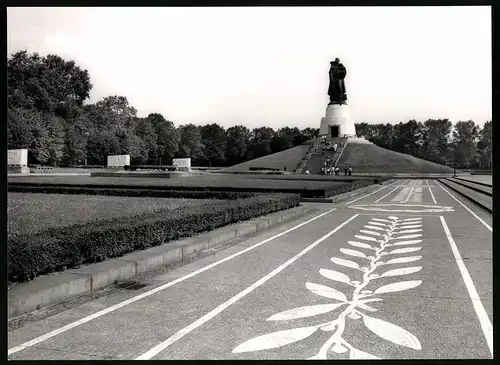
269, 65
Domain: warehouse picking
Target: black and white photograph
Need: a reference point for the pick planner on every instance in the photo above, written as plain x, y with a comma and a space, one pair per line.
249, 182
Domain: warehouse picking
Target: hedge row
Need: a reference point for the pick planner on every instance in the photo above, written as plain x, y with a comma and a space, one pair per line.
111, 191
347, 187
67, 247
307, 193
193, 192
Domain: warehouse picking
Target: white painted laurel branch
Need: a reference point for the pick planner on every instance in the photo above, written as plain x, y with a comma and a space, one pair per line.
378, 231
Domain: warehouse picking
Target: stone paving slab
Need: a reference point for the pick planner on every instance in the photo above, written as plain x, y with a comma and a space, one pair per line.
424, 311
488, 190
480, 199
478, 179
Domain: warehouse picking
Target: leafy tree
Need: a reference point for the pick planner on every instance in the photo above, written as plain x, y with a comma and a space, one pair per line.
48, 83
260, 144
484, 146
437, 132
214, 140
409, 138
465, 137
20, 127
362, 129
190, 143
114, 111
76, 141
145, 130
100, 144
167, 138
286, 138
309, 133
238, 138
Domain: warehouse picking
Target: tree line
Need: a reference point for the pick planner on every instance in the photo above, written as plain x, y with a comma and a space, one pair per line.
463, 144
48, 114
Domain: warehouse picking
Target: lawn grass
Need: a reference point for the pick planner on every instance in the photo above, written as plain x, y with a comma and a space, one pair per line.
30, 213
373, 159
289, 158
30, 254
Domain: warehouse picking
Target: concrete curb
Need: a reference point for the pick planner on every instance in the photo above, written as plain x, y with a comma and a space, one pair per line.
474, 182
479, 204
470, 185
345, 196
57, 287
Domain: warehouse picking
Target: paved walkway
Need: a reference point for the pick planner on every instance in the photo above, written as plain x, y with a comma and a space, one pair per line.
404, 272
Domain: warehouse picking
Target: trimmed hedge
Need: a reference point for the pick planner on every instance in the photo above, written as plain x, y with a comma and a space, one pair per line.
111, 191
321, 192
68, 247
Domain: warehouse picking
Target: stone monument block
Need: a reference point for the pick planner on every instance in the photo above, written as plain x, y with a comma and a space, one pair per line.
118, 160
18, 157
184, 164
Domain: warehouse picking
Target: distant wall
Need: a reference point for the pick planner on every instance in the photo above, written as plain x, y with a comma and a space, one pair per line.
18, 157
118, 160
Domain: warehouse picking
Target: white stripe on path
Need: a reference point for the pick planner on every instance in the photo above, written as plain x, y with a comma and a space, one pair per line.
202, 320
476, 302
389, 193
89, 318
409, 195
430, 190
364, 196
463, 205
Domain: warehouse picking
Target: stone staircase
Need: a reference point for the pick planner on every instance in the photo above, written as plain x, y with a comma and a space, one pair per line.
301, 168
318, 158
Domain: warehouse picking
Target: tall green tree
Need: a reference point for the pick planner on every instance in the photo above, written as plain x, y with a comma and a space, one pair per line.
21, 125
49, 84
145, 130
214, 140
260, 143
114, 111
309, 133
437, 133
362, 129
465, 135
409, 138
100, 144
190, 143
484, 146
167, 138
77, 135
238, 139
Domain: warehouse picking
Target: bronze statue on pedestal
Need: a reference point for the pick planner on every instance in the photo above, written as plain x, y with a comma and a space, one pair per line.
336, 89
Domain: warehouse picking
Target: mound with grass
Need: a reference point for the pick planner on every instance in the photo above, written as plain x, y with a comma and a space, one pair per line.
289, 158
374, 159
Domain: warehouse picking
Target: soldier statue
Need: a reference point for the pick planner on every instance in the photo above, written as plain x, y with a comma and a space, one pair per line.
336, 89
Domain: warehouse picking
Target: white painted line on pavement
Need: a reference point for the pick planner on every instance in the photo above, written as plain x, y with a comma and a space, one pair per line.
153, 291
389, 193
476, 302
181, 333
364, 196
430, 190
412, 189
463, 205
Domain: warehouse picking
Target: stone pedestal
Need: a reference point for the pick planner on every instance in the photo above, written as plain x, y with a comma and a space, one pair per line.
337, 121
18, 169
